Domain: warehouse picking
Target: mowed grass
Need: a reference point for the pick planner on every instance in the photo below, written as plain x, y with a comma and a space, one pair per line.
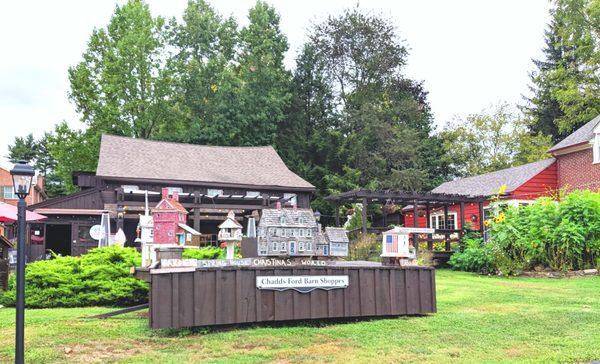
479, 319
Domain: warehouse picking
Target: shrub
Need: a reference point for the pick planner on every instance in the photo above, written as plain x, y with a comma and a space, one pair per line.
476, 257
100, 277
367, 247
560, 236
208, 252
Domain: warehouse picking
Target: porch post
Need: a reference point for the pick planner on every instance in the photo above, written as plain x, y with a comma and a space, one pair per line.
428, 225
365, 204
416, 224
481, 217
462, 224
197, 211
447, 236
337, 214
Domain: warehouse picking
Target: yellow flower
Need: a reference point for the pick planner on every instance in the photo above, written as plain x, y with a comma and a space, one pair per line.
213, 87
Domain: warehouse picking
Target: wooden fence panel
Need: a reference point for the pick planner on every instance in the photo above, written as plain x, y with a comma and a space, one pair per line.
218, 296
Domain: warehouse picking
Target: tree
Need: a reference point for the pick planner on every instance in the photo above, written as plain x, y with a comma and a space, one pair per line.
265, 88
491, 140
565, 87
23, 149
204, 75
121, 85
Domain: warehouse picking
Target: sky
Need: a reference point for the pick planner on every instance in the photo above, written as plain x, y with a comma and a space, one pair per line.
470, 54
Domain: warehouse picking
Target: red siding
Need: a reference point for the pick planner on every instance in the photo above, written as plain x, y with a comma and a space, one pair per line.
577, 171
470, 210
543, 184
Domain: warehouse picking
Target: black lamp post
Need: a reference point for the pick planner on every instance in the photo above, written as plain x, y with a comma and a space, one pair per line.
22, 174
317, 215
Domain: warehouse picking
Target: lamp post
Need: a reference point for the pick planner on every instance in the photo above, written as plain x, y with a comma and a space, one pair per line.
22, 174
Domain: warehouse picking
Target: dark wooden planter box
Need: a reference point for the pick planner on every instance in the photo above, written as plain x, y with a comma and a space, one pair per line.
228, 295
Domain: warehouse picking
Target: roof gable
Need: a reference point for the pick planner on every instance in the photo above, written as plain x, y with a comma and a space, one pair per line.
122, 157
169, 204
490, 183
579, 136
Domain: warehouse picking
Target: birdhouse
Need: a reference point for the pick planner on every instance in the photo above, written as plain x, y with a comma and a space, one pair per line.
169, 217
396, 243
230, 232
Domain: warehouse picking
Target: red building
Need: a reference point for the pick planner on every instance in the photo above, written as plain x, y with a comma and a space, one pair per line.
575, 164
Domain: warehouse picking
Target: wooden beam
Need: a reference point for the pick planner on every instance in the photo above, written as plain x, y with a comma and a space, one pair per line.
428, 224
447, 237
481, 218
462, 224
337, 214
416, 224
365, 205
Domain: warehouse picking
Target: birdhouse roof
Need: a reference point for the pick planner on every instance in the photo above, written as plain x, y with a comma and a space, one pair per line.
168, 204
230, 223
336, 235
291, 217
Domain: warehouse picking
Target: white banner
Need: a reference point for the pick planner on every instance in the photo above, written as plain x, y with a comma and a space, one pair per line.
301, 284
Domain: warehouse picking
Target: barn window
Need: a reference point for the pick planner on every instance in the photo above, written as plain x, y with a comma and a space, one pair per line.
290, 198
437, 221
213, 192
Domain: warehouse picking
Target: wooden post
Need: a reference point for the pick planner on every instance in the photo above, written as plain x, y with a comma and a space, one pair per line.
120, 208
428, 224
416, 224
365, 204
481, 218
197, 211
337, 214
447, 236
462, 225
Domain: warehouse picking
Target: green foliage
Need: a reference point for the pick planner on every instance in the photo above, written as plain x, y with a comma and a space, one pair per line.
476, 257
560, 236
491, 140
100, 277
366, 247
209, 252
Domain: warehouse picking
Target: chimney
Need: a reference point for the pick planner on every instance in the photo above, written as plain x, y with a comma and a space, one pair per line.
165, 192
175, 196
278, 205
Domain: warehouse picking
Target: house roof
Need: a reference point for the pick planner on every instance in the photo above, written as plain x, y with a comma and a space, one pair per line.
291, 217
169, 204
230, 223
490, 183
579, 136
336, 234
132, 158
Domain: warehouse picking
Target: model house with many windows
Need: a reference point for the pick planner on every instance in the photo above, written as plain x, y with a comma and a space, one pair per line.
287, 232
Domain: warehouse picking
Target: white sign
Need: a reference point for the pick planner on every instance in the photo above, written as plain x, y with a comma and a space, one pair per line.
97, 232
302, 284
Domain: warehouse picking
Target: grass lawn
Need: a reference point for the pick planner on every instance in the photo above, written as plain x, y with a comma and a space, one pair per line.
479, 319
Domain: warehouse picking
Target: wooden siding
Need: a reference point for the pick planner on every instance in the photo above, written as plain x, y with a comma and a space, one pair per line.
90, 199
224, 296
470, 209
542, 184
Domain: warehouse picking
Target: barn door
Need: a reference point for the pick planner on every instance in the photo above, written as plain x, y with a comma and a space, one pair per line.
82, 241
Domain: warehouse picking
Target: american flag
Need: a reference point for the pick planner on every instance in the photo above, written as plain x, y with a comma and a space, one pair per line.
391, 243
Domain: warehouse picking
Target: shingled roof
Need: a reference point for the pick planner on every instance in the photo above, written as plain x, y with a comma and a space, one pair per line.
489, 183
132, 158
579, 136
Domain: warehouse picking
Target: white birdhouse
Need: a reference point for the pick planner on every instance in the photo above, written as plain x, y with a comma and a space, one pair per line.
395, 242
230, 232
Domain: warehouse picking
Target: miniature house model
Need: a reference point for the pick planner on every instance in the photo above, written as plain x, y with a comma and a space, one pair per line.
337, 239
287, 232
230, 232
395, 242
169, 218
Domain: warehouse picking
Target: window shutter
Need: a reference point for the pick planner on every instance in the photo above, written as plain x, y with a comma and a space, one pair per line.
1, 192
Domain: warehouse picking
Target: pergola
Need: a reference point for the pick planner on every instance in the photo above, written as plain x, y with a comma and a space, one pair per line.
417, 200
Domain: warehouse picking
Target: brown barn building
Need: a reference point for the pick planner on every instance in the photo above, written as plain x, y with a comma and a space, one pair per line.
210, 181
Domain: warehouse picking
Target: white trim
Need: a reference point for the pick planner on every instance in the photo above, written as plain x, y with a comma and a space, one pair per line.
437, 214
596, 148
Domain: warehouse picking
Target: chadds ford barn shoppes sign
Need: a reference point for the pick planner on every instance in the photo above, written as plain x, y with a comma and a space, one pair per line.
302, 284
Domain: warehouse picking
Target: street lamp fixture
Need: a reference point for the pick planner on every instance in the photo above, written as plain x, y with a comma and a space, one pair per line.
317, 215
22, 174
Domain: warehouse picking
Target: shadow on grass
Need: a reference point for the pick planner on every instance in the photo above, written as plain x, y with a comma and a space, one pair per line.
313, 323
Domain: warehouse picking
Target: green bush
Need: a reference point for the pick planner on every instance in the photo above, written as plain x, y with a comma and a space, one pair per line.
476, 257
209, 252
100, 277
561, 235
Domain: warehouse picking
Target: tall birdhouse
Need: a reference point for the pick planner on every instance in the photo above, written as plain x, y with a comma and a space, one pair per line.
169, 216
230, 232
